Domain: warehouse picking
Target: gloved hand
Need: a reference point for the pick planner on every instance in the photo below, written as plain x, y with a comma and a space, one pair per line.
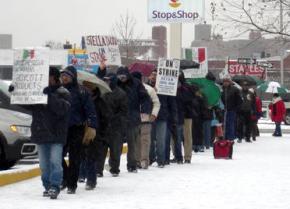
46, 90
11, 88
90, 134
63, 92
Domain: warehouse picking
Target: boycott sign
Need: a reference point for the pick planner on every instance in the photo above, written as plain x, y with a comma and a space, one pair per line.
239, 69
103, 48
30, 76
167, 76
174, 11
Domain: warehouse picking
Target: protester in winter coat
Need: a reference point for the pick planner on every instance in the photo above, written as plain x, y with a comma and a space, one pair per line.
199, 105
88, 168
112, 127
49, 131
183, 132
168, 109
245, 112
257, 116
144, 138
277, 113
137, 97
82, 116
207, 117
231, 99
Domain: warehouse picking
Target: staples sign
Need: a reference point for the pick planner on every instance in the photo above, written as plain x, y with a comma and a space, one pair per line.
239, 69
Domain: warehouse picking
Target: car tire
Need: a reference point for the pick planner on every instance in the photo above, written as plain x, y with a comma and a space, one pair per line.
4, 164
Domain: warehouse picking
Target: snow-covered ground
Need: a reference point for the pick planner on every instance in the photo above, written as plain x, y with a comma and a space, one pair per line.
257, 178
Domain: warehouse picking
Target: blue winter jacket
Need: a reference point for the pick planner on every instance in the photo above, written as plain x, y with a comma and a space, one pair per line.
82, 107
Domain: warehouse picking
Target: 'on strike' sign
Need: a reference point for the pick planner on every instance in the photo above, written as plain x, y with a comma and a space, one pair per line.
167, 76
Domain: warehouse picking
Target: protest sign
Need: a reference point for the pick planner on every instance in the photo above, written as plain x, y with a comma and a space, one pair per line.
80, 60
103, 48
198, 55
167, 76
30, 76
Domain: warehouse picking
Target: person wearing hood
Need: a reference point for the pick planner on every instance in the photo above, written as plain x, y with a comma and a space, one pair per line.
82, 127
112, 127
49, 132
144, 138
277, 113
137, 97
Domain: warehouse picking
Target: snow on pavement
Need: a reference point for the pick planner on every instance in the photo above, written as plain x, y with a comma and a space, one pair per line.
257, 178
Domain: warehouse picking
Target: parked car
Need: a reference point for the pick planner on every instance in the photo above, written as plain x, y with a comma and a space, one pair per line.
14, 130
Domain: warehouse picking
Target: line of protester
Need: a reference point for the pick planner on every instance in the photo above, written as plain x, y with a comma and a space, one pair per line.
78, 120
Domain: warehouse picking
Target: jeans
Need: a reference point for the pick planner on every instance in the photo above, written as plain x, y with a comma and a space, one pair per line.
50, 162
278, 130
230, 126
207, 133
158, 138
177, 135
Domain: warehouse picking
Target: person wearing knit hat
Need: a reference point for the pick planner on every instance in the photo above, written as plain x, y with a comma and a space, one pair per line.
49, 131
82, 126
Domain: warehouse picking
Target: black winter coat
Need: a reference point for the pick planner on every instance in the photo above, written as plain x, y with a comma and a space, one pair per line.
117, 104
231, 98
50, 122
137, 98
168, 109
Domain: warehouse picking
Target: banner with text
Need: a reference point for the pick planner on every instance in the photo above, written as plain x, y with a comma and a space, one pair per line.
234, 68
103, 49
167, 76
30, 76
175, 11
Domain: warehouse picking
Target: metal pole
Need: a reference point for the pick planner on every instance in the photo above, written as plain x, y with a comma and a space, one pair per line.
282, 68
175, 42
282, 53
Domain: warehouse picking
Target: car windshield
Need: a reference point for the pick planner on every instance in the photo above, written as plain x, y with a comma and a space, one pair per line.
4, 85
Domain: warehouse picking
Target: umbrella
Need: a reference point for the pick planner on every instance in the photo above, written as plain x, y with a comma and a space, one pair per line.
258, 80
188, 64
91, 80
272, 87
244, 78
208, 88
143, 67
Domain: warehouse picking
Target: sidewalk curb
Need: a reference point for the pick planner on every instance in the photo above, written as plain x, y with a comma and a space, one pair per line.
17, 176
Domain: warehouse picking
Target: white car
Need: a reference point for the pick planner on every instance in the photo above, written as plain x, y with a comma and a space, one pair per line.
14, 131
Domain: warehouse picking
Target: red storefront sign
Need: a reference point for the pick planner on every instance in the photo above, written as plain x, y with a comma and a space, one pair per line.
240, 69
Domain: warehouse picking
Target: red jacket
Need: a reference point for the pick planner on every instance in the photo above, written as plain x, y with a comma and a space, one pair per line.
277, 110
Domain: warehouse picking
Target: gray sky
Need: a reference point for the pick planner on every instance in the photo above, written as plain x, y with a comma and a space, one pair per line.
32, 22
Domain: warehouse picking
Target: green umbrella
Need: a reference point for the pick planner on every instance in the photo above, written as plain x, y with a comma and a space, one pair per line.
208, 88
272, 87
258, 80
